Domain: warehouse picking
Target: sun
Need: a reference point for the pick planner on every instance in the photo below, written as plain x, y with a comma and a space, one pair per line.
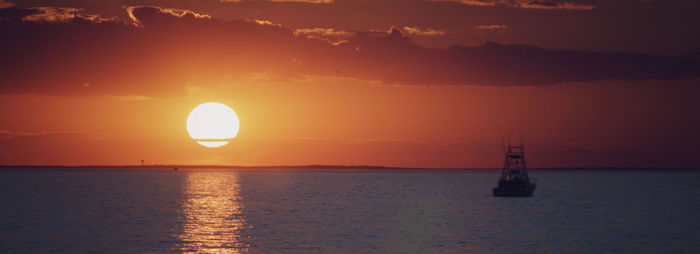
212, 124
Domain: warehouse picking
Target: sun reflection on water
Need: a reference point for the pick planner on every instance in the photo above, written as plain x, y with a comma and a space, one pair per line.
213, 214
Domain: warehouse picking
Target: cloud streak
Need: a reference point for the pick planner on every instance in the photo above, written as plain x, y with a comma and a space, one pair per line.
424, 32
332, 36
491, 27
526, 4
304, 1
286, 1
8, 134
323, 32
149, 11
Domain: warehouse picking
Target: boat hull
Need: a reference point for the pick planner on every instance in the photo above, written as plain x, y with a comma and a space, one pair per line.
511, 190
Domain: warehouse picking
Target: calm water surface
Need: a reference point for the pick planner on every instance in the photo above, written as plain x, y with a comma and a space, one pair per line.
223, 211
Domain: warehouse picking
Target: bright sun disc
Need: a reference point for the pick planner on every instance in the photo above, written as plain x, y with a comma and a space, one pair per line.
212, 124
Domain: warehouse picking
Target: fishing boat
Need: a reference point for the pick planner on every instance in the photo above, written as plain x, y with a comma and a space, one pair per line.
514, 181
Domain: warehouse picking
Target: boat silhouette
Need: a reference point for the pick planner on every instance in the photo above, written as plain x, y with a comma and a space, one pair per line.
514, 181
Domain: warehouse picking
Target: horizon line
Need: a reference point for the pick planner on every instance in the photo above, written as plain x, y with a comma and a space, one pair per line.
324, 167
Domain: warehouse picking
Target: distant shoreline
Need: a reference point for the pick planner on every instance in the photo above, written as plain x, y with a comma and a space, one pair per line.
312, 167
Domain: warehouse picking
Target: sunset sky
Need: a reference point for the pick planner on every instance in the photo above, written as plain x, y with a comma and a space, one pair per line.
414, 83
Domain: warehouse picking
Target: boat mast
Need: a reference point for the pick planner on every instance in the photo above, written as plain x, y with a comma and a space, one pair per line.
522, 151
514, 165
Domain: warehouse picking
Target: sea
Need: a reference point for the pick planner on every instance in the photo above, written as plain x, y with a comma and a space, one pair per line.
83, 210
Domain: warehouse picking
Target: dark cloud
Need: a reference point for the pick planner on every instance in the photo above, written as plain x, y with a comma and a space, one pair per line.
16, 13
50, 14
526, 4
550, 5
166, 46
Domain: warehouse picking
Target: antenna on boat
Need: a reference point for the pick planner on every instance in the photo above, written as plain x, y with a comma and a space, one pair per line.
503, 143
508, 136
520, 133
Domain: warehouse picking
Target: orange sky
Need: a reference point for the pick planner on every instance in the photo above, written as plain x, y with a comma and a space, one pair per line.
96, 91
